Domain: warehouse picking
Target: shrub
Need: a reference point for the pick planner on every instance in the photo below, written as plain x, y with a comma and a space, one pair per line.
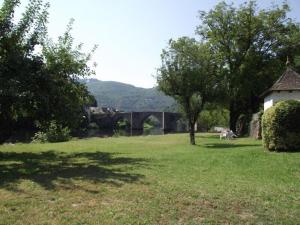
281, 126
53, 133
57, 133
211, 116
39, 137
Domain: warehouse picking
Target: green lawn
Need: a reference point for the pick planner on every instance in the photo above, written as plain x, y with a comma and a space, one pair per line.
148, 180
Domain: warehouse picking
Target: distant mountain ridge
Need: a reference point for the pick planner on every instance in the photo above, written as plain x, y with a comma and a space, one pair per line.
128, 98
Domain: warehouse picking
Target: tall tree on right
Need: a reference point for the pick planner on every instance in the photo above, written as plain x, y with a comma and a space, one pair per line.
253, 45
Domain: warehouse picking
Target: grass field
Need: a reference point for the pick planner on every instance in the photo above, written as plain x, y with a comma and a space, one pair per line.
148, 180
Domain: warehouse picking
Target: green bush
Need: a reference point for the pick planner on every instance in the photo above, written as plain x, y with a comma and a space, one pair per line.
281, 126
58, 133
39, 137
211, 116
53, 133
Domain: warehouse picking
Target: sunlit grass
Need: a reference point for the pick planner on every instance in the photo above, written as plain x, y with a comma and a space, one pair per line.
148, 180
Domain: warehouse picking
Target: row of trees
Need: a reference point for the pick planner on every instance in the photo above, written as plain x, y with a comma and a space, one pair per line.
39, 78
240, 52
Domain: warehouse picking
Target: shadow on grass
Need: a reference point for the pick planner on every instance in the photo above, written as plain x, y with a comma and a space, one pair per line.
52, 169
229, 145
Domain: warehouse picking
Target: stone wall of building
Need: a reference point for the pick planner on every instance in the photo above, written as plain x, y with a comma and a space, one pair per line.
255, 126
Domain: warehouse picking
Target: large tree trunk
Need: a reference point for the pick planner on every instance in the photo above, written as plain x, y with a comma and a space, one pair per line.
192, 132
254, 104
5, 129
233, 116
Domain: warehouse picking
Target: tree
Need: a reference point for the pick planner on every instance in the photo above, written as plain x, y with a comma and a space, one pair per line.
187, 73
253, 44
66, 64
213, 115
37, 87
20, 67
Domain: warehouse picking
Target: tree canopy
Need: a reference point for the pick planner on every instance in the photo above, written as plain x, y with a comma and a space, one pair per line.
38, 78
253, 44
241, 52
188, 74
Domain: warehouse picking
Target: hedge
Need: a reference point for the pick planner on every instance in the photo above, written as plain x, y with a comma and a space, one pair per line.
281, 126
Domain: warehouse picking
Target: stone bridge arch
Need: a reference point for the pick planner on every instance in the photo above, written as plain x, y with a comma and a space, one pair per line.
121, 116
167, 120
138, 119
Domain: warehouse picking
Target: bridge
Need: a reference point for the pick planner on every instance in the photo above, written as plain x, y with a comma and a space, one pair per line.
109, 121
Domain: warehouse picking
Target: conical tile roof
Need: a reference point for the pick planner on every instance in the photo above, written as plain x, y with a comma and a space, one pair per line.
289, 81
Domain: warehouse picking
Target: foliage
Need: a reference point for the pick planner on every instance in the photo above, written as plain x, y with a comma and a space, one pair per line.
54, 132
187, 74
281, 126
66, 64
57, 133
39, 137
152, 121
213, 115
38, 78
21, 69
253, 45
123, 125
152, 126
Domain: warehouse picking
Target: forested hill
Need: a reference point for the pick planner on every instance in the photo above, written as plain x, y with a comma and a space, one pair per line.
127, 97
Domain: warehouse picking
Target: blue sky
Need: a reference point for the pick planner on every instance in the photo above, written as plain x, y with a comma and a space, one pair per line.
132, 33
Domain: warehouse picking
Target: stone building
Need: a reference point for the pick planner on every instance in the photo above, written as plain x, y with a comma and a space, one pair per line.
287, 87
